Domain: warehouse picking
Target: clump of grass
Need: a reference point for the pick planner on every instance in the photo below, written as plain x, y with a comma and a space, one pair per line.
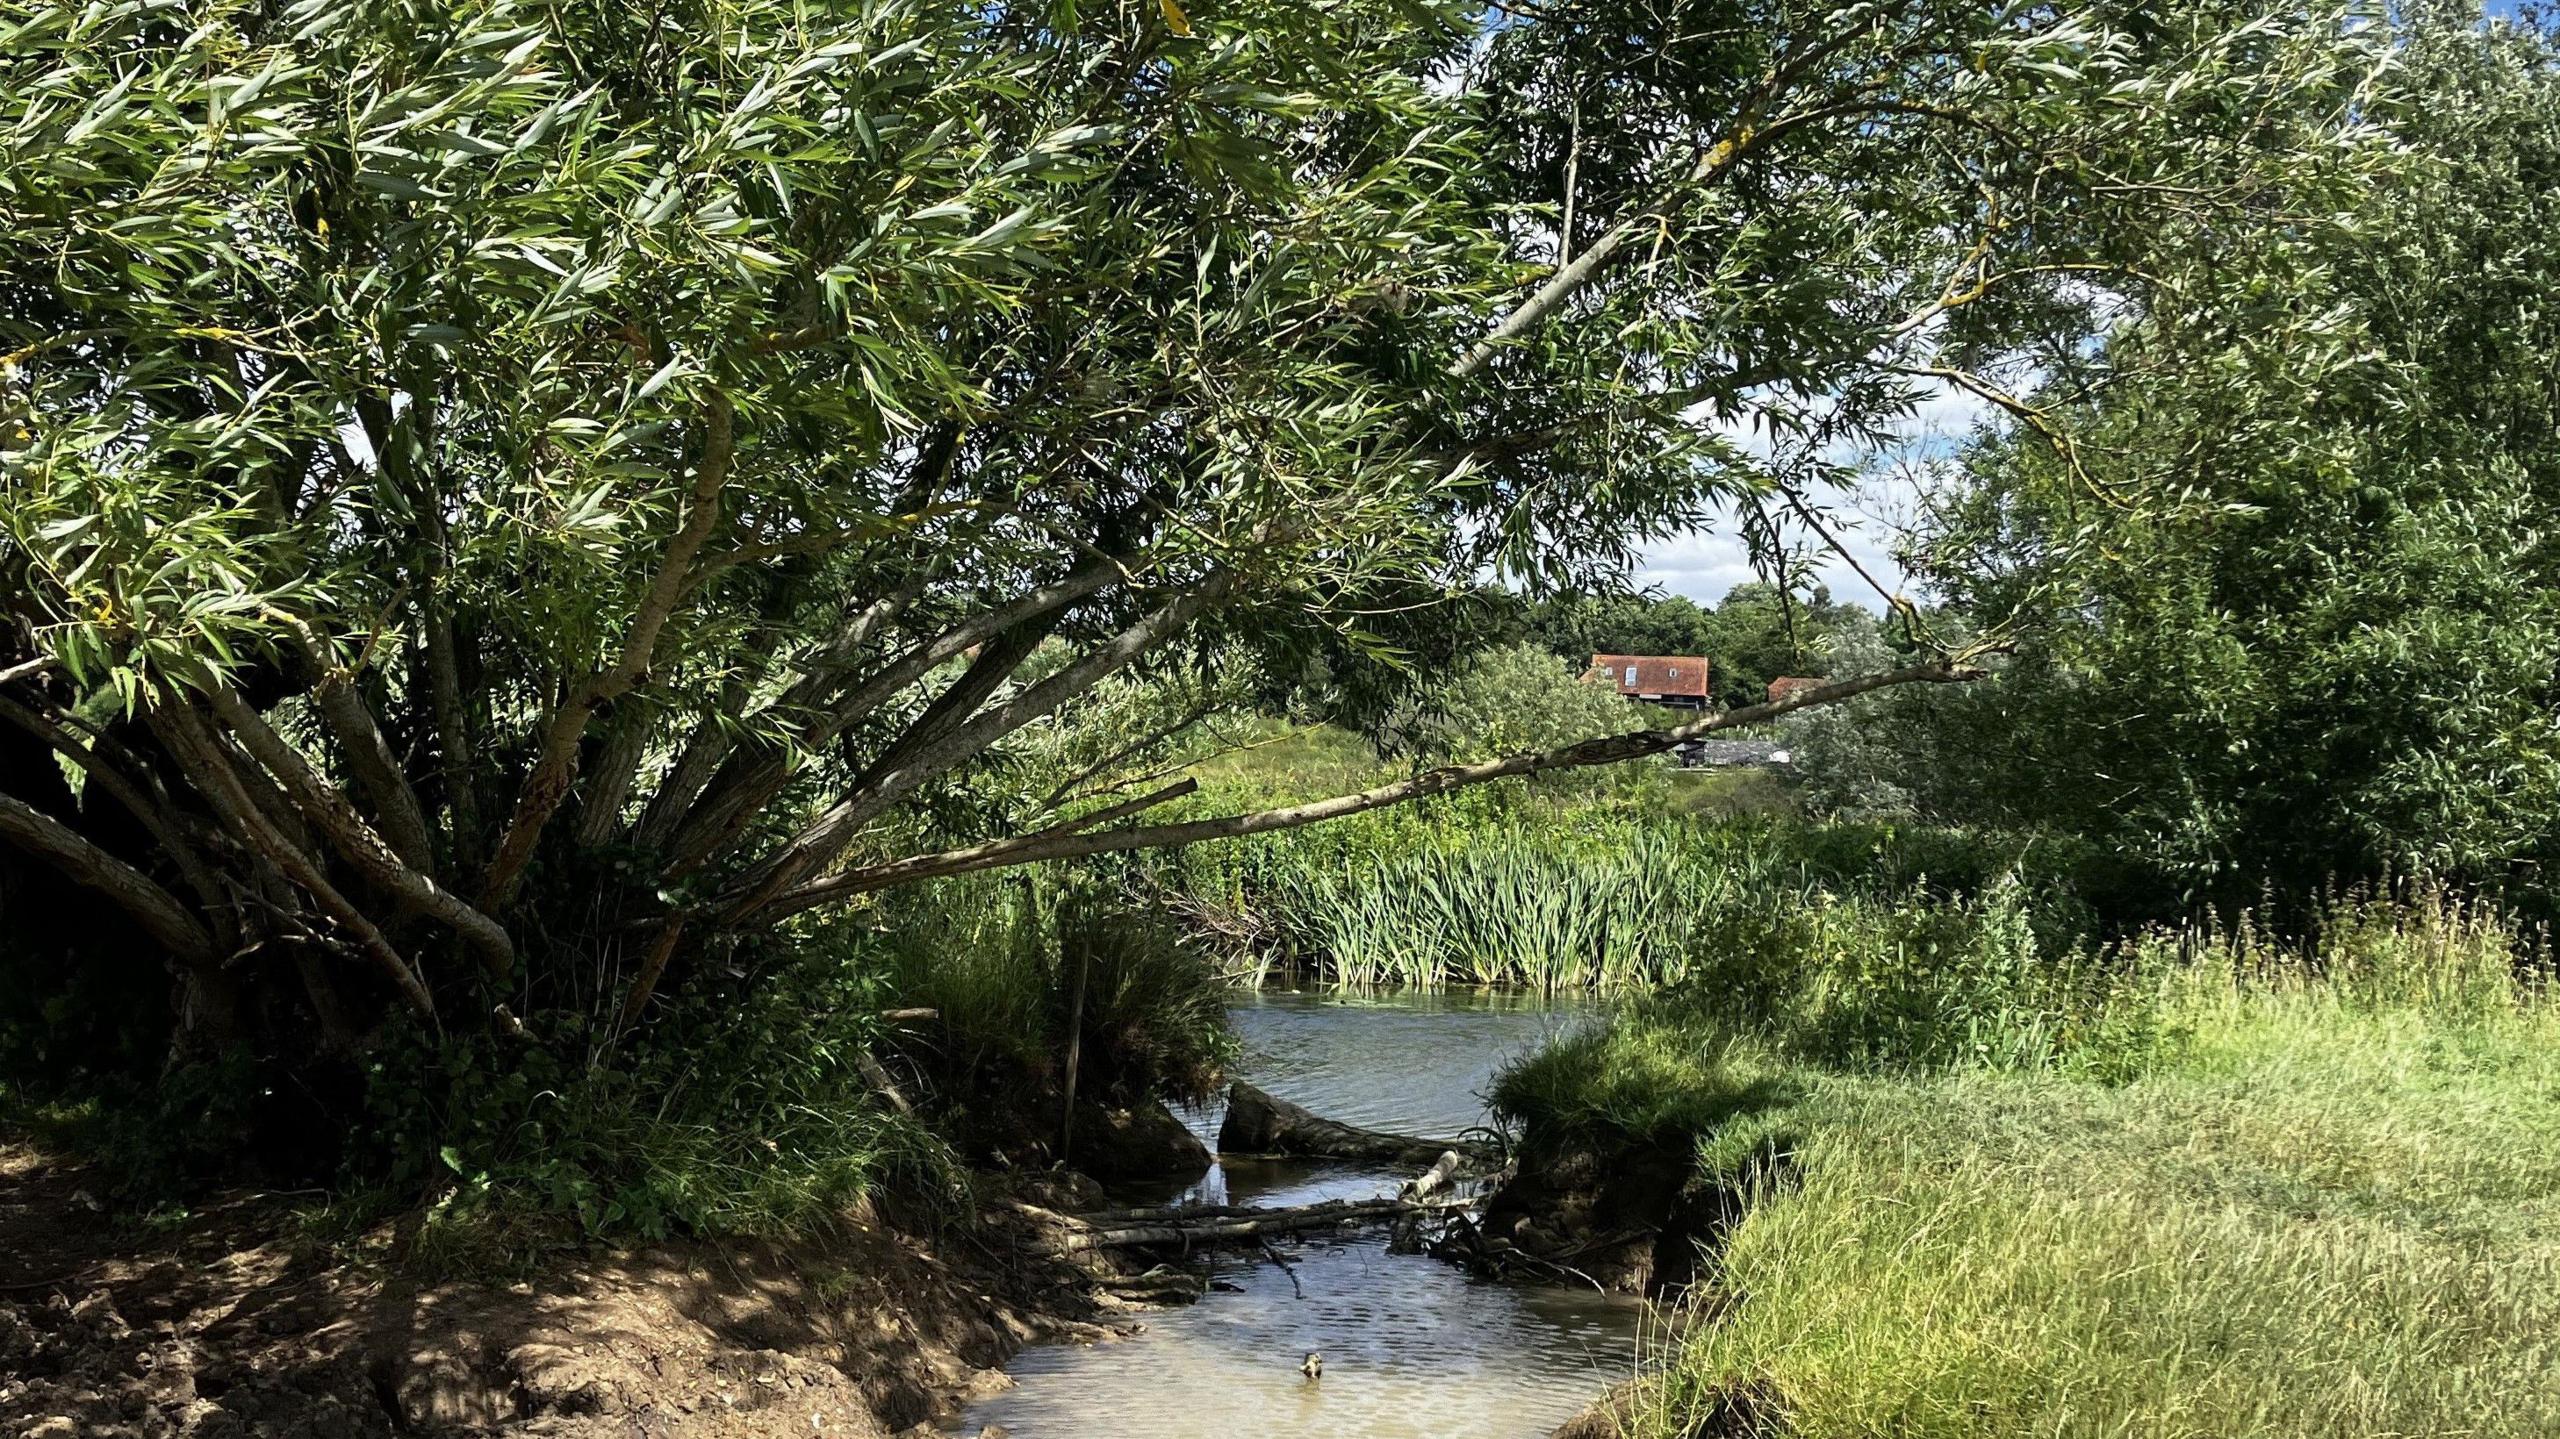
1637, 1080
998, 959
1154, 1019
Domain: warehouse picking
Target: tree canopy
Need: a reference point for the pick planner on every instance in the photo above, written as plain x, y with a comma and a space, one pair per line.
497, 493
2332, 652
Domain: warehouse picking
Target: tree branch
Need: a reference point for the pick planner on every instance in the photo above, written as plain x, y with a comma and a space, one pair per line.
155, 909
1027, 849
199, 752
617, 765
376, 769
555, 767
1061, 792
749, 781
148, 810
826, 837
328, 811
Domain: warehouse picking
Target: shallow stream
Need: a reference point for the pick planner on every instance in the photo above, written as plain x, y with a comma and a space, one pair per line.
1411, 1346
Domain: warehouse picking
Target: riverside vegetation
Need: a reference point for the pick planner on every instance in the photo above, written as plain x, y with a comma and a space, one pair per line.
720, 627
2216, 1187
2000, 1171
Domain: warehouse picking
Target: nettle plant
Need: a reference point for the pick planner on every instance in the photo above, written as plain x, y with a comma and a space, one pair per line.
499, 495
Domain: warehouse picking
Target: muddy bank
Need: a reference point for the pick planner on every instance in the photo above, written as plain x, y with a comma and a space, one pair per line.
1631, 1214
226, 1325
1631, 1220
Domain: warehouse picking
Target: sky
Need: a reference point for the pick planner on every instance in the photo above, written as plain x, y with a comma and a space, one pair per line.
1703, 564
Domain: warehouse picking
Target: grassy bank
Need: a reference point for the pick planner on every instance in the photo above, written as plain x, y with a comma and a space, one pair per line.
2202, 1188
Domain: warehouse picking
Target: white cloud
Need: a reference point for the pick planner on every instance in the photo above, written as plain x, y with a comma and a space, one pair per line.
1705, 563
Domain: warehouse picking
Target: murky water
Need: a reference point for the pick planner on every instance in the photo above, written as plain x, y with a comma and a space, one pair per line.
1410, 1346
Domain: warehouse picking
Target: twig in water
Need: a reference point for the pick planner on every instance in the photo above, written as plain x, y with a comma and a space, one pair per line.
1287, 1266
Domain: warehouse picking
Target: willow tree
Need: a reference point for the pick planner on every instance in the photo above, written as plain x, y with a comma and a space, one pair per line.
496, 491
2340, 660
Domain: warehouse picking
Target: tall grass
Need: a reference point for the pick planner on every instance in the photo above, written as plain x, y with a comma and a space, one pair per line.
1547, 898
2311, 1188
1505, 909
997, 958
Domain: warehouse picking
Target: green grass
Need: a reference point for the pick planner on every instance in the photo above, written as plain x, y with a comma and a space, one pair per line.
1279, 761
2322, 1198
1505, 888
1745, 790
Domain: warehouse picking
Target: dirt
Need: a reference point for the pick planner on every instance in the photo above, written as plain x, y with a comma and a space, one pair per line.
1632, 1221
1637, 1408
225, 1325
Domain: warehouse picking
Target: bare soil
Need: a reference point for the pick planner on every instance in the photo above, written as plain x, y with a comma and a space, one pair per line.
224, 1326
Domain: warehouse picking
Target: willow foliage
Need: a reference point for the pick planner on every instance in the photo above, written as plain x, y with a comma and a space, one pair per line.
498, 492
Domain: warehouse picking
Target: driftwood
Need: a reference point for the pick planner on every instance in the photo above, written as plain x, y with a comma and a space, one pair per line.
1258, 1123
1442, 1174
1077, 1235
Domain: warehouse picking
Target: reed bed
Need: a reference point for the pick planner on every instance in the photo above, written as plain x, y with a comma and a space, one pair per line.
1514, 911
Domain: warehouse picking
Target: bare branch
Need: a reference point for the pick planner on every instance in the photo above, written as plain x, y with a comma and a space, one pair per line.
199, 752
369, 758
1571, 276
1062, 793
148, 810
327, 809
1124, 808
653, 966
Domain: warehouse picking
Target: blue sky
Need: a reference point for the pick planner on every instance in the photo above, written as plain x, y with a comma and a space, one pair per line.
1705, 563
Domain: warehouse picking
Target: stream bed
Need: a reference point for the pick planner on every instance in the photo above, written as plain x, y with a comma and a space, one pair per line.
1411, 1346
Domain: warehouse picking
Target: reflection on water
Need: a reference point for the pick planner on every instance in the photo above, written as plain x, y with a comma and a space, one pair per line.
1410, 1345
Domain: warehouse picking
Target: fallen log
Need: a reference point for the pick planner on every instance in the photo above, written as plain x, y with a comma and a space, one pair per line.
1442, 1174
1260, 1123
1079, 1236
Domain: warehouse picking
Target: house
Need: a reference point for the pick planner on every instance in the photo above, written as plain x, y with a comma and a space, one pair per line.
1786, 685
1679, 681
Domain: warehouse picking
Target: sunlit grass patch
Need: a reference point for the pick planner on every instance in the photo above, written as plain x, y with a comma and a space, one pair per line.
2327, 1202
2296, 1245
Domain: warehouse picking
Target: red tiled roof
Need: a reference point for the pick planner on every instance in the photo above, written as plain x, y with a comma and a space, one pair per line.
1653, 674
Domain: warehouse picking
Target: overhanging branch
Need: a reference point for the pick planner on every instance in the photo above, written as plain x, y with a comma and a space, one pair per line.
1029, 849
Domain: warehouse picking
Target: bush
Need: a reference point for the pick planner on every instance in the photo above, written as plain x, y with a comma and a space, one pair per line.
748, 1103
1520, 697
742, 1107
996, 958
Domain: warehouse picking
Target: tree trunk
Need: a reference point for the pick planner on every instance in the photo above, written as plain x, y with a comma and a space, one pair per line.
1258, 1123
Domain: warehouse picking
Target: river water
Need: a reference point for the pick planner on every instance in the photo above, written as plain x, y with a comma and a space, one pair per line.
1411, 1347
